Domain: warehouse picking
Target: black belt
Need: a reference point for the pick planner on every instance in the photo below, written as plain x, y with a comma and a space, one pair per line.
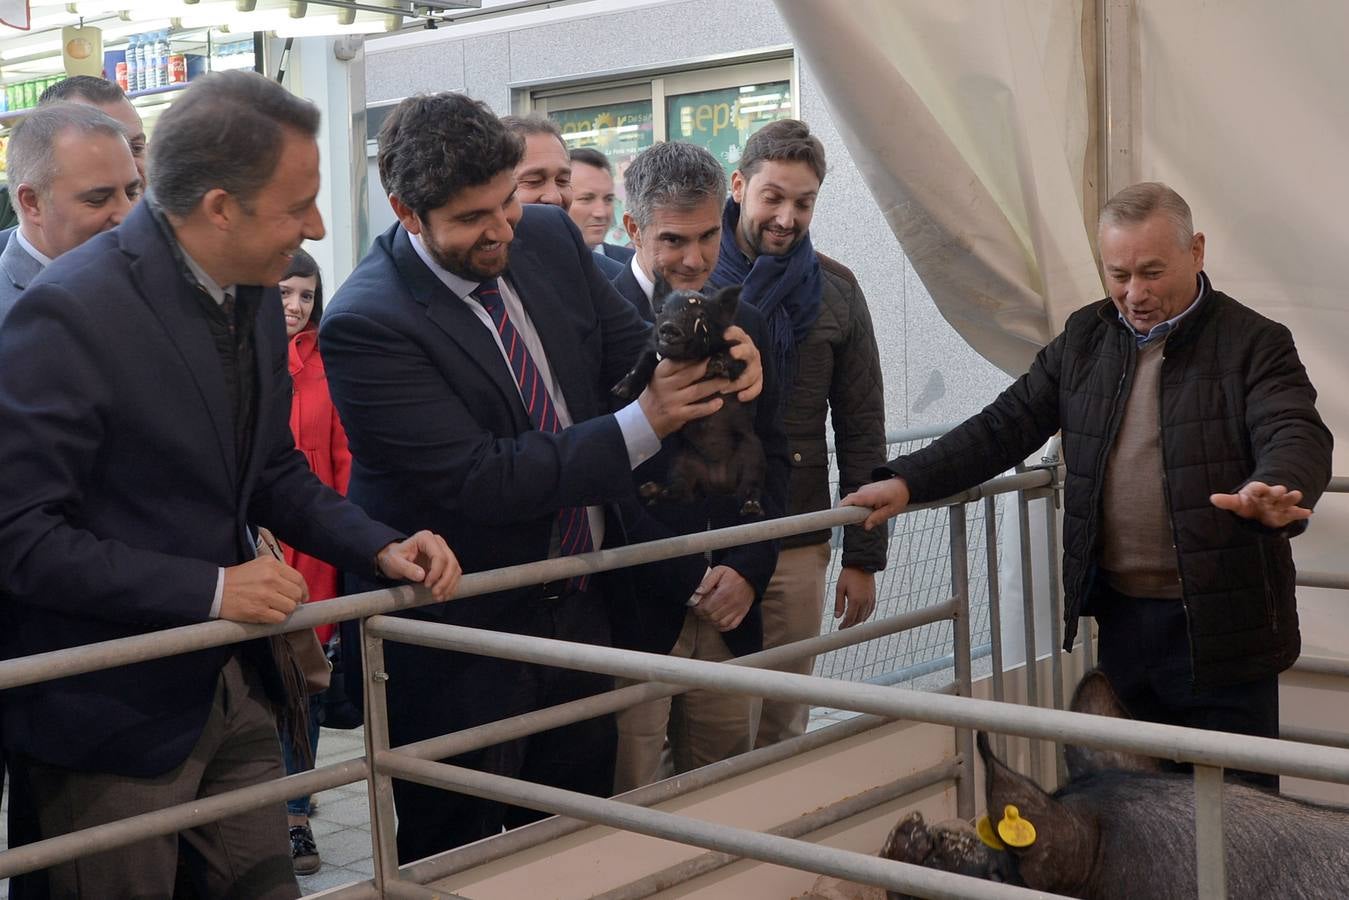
558, 589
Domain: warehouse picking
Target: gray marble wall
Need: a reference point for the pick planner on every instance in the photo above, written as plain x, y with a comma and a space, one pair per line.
932, 376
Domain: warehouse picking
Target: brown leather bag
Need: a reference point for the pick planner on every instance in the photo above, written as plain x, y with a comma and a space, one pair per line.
298, 653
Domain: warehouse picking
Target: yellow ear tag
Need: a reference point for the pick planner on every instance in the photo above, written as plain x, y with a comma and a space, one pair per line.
1014, 830
984, 828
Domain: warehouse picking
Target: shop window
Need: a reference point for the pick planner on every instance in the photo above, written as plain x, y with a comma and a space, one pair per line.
717, 107
723, 119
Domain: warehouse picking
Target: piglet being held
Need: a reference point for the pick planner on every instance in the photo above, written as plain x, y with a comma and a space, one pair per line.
719, 454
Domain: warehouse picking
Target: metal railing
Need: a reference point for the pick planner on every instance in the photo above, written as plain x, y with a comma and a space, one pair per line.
666, 676
917, 573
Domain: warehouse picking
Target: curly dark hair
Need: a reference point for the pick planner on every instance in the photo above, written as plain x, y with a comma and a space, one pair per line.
432, 146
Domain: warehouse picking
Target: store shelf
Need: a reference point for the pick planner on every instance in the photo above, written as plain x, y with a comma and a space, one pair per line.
9, 118
156, 91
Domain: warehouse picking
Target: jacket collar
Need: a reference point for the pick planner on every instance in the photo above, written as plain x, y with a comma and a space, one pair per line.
19, 265
631, 289
528, 272
1193, 318
165, 285
543, 234
449, 313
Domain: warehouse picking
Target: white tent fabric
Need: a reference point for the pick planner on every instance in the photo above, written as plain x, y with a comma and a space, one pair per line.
969, 122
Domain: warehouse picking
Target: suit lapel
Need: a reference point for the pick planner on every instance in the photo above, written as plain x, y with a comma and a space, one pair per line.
450, 314
269, 305
172, 299
555, 324
630, 288
19, 266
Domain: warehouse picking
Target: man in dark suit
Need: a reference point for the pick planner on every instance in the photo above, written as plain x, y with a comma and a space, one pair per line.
592, 204
72, 176
675, 192
144, 427
470, 355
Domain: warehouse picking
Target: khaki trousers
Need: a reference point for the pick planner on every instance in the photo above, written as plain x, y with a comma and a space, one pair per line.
703, 727
792, 609
246, 856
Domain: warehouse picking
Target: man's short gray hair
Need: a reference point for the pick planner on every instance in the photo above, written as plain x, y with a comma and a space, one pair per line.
30, 157
1139, 202
672, 175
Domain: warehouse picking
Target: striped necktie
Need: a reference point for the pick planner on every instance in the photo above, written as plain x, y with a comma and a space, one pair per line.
572, 522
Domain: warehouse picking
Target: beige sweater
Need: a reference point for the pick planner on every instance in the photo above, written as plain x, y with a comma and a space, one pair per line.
1137, 552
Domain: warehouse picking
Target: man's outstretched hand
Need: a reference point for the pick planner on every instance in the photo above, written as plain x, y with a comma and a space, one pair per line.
1272, 505
886, 498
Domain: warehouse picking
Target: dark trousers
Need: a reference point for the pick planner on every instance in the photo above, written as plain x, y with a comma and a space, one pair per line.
1144, 649
246, 856
432, 692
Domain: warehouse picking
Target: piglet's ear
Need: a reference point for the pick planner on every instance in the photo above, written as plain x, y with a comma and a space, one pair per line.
662, 290
1059, 857
727, 300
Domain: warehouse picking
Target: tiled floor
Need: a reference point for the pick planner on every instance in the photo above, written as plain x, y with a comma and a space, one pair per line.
342, 821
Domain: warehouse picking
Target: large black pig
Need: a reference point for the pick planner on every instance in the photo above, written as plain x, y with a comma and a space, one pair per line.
719, 454
1123, 829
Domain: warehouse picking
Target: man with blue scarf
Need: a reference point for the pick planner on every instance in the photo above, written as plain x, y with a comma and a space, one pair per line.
823, 347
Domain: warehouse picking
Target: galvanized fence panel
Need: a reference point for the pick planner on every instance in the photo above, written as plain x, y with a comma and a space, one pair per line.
917, 574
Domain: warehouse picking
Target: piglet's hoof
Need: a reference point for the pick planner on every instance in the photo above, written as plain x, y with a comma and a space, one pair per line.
650, 492
751, 507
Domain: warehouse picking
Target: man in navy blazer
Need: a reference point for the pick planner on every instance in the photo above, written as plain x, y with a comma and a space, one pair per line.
144, 427
464, 317
675, 191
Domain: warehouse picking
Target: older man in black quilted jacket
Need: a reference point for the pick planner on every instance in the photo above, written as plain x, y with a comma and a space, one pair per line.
1194, 452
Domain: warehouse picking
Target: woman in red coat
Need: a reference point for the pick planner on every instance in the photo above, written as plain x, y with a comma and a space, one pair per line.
318, 432
319, 436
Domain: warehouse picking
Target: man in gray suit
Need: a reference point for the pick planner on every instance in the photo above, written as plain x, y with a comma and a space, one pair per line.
71, 176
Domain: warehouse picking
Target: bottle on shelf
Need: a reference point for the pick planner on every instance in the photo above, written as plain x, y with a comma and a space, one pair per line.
142, 62
153, 72
162, 56
132, 67
147, 61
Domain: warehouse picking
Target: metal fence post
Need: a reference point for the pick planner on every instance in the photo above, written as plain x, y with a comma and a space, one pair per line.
960, 650
994, 610
383, 844
1208, 837
1055, 622
1028, 620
